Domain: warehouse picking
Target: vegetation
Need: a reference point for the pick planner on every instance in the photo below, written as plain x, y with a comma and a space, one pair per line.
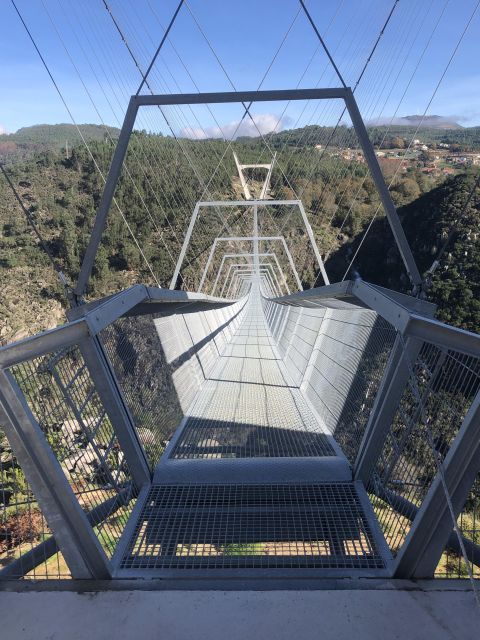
63, 194
431, 220
393, 136
28, 141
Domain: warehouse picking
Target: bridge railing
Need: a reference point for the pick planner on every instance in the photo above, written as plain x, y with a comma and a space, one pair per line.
400, 393
337, 357
426, 466
160, 362
82, 431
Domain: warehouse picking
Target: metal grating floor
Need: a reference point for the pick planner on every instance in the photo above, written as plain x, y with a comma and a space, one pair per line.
251, 527
247, 408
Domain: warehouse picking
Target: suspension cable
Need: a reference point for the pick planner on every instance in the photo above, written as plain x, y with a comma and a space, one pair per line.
434, 93
162, 111
81, 135
107, 132
165, 36
322, 42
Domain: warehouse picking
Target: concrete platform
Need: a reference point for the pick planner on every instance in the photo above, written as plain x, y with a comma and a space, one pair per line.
381, 613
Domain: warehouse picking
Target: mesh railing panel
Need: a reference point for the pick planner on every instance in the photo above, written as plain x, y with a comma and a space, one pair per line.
440, 388
62, 397
160, 363
452, 565
22, 525
136, 354
338, 358
351, 360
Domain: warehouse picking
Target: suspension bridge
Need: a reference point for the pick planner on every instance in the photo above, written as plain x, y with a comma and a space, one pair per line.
250, 422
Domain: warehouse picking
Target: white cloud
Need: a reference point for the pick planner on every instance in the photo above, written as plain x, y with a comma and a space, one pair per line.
262, 123
415, 120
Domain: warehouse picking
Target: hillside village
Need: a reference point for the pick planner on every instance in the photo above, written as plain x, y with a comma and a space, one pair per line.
432, 158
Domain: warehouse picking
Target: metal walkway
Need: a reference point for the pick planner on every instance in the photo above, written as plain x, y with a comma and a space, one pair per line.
248, 407
251, 479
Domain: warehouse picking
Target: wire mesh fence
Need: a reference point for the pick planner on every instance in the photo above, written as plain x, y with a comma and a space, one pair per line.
440, 389
23, 529
452, 565
160, 362
136, 354
337, 357
63, 400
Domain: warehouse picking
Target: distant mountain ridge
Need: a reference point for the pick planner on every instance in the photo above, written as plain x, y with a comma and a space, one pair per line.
423, 122
27, 141
430, 122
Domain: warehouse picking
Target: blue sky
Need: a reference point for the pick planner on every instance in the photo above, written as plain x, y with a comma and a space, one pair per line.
245, 36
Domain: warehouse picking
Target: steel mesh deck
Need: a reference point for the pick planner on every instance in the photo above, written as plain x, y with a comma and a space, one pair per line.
248, 408
250, 527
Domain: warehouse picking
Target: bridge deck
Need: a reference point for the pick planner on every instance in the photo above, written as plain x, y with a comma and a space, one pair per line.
251, 480
248, 408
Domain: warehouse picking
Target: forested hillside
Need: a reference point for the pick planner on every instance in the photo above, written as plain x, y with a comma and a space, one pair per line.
28, 141
434, 221
463, 138
63, 193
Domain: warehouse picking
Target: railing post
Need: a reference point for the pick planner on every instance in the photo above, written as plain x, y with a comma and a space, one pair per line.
382, 188
433, 524
106, 386
69, 524
392, 386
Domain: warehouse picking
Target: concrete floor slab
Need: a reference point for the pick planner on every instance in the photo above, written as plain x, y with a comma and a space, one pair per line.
240, 615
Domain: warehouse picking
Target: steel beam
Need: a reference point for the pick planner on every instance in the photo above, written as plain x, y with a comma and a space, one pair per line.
265, 239
248, 255
395, 313
253, 204
74, 534
313, 243
225, 257
266, 184
185, 244
107, 197
243, 182
248, 203
386, 198
343, 93
443, 335
207, 266
432, 527
241, 96
390, 391
43, 343
115, 307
